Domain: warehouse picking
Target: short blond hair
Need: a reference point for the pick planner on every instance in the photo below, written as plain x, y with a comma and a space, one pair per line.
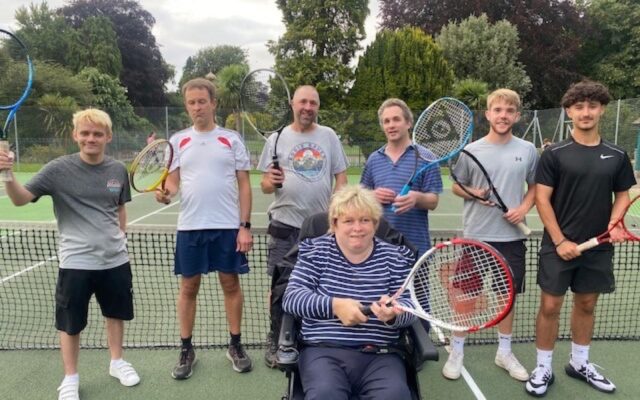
353, 198
94, 116
200, 83
393, 102
507, 95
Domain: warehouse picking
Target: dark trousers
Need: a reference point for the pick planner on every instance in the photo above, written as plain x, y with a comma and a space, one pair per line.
343, 374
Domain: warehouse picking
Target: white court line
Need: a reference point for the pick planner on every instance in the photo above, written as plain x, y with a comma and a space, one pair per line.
158, 211
465, 374
26, 270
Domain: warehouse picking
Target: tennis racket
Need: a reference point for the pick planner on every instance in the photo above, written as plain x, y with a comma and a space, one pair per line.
150, 168
462, 285
491, 194
15, 66
629, 222
265, 102
443, 128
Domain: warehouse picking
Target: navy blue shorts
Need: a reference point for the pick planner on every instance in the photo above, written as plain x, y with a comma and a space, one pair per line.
208, 250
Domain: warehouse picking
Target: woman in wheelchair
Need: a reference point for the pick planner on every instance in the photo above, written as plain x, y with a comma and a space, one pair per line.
345, 353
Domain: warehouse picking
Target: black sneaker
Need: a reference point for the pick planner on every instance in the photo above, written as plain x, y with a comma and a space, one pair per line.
186, 362
270, 358
588, 373
539, 381
239, 358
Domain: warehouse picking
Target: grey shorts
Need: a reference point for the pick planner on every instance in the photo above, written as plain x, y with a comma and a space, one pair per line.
282, 238
592, 272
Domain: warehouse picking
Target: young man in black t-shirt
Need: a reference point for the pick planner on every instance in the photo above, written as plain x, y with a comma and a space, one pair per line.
575, 182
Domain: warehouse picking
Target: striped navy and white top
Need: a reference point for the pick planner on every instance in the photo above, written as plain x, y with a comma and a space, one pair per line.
322, 272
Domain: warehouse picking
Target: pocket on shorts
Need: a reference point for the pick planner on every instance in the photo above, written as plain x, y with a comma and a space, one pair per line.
62, 300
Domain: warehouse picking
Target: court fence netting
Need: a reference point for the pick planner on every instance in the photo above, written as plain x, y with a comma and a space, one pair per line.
29, 265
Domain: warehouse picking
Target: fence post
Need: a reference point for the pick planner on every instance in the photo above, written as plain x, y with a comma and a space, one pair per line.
615, 140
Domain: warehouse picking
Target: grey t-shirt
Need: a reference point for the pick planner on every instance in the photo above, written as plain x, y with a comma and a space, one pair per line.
509, 165
86, 199
309, 161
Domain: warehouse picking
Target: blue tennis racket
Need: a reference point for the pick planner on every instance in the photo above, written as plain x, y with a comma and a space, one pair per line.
442, 131
16, 66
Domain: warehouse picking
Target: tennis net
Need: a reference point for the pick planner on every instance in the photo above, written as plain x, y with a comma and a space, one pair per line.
28, 273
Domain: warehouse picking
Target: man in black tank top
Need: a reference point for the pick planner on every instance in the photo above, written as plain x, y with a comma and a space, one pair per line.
576, 179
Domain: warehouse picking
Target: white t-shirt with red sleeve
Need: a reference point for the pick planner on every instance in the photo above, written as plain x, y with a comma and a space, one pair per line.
208, 162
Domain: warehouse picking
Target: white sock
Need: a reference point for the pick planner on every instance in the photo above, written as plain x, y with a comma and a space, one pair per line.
457, 344
579, 354
504, 343
117, 363
75, 378
544, 358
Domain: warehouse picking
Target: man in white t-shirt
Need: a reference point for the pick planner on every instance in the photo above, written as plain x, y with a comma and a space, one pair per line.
211, 171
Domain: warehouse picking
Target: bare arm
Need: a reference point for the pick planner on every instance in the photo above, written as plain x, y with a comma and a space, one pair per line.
244, 240
517, 214
414, 199
565, 248
620, 203
341, 180
270, 179
17, 193
171, 187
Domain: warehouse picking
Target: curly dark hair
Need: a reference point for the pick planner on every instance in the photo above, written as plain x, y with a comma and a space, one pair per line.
586, 91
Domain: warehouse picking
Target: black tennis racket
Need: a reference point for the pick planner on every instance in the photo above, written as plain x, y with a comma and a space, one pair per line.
15, 66
265, 102
487, 191
443, 128
461, 285
150, 169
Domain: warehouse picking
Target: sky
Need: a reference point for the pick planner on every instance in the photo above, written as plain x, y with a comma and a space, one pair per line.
185, 26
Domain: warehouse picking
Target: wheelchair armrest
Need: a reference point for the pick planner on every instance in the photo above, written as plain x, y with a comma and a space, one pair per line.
423, 346
287, 353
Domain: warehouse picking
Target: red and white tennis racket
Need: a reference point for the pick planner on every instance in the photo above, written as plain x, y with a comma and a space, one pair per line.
629, 222
461, 285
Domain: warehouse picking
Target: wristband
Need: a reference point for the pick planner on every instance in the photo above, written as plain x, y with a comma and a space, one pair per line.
560, 242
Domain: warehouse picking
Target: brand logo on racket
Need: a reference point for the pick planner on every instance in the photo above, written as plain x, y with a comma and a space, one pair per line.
441, 129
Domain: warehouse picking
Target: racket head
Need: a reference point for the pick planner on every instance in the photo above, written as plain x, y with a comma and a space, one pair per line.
150, 168
462, 285
265, 101
492, 194
631, 219
444, 128
16, 76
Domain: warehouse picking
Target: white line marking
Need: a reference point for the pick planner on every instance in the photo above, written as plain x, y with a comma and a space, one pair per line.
26, 270
153, 213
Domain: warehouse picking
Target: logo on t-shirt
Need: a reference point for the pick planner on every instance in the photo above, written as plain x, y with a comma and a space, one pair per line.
308, 160
114, 185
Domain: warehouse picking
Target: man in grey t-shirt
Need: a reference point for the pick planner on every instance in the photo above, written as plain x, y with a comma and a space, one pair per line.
510, 162
310, 157
89, 192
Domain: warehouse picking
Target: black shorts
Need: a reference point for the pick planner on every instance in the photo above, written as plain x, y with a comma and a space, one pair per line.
282, 238
516, 255
592, 272
113, 290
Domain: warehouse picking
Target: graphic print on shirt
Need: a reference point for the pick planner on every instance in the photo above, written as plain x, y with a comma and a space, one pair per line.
308, 161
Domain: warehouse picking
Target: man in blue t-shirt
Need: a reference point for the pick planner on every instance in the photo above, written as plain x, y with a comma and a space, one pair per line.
389, 168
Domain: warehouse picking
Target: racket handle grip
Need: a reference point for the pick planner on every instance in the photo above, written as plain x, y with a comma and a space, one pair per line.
5, 175
403, 192
589, 244
276, 165
523, 228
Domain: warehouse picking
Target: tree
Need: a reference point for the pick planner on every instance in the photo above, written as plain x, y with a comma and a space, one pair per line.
229, 81
479, 50
144, 71
212, 60
472, 92
550, 34
96, 45
320, 41
404, 63
611, 53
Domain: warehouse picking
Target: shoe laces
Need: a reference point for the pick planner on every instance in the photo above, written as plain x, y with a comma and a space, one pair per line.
237, 350
591, 371
184, 355
541, 374
126, 369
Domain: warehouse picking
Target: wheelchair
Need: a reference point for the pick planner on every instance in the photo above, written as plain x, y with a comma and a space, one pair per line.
415, 345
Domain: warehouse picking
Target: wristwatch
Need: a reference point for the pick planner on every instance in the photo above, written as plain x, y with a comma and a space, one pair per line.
245, 225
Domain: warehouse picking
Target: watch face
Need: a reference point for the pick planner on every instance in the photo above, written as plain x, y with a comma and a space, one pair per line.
245, 224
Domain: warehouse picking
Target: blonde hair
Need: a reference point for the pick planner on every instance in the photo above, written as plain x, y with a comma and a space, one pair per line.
393, 102
506, 95
353, 198
200, 83
94, 116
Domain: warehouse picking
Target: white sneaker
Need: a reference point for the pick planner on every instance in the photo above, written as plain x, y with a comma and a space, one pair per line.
69, 391
509, 362
539, 381
125, 373
588, 373
453, 367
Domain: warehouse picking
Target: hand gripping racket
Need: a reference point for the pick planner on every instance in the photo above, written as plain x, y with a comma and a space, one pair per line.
150, 168
265, 102
491, 194
443, 128
16, 66
629, 222
462, 285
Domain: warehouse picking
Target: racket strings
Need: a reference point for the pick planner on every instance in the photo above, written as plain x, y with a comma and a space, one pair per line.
631, 219
462, 285
152, 165
443, 128
16, 73
265, 100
